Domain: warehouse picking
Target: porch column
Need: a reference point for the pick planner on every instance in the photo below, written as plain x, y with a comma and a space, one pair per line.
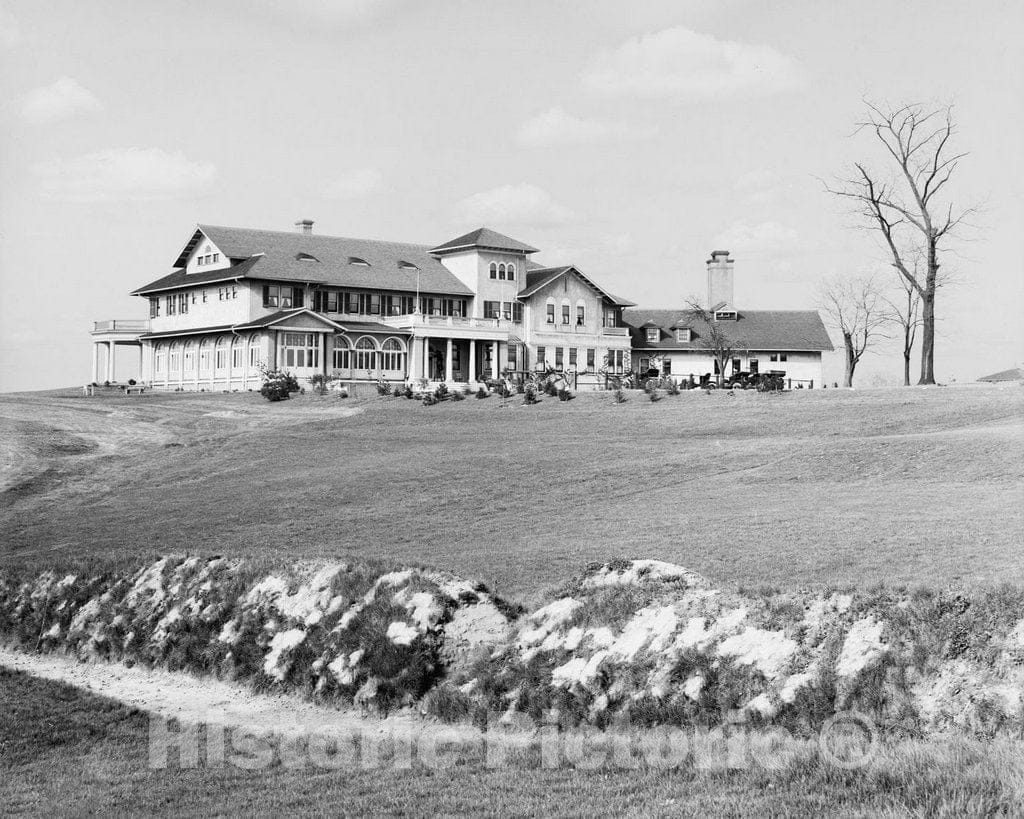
110, 360
95, 362
323, 353
472, 360
495, 349
449, 375
141, 378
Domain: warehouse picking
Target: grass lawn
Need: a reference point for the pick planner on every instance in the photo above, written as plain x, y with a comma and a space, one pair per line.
902, 486
68, 751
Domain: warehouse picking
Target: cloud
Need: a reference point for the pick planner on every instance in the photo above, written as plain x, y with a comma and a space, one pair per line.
354, 184
124, 174
10, 31
687, 66
763, 238
512, 205
557, 127
60, 100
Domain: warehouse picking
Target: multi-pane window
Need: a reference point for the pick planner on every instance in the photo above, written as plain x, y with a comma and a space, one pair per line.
221, 354
154, 307
174, 358
170, 302
392, 355
342, 354
565, 314
365, 354
159, 356
276, 296
254, 351
511, 272
541, 355
581, 315
491, 309
683, 334
591, 355
512, 361
559, 358
300, 350
204, 357
517, 312
237, 355
494, 270
572, 357
189, 358
610, 319
616, 361
666, 366
653, 335
551, 312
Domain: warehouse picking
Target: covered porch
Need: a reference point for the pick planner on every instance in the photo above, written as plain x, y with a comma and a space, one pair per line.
459, 360
107, 336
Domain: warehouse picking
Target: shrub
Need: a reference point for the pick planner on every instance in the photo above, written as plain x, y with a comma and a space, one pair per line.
441, 393
407, 391
619, 397
278, 385
564, 394
429, 399
550, 388
383, 387
482, 392
671, 387
132, 382
458, 395
651, 388
530, 394
319, 383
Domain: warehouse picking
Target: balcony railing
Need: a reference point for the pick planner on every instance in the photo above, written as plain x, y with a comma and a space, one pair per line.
421, 319
122, 325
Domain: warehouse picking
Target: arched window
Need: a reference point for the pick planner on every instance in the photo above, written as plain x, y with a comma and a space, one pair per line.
237, 353
342, 353
494, 270
501, 272
189, 357
174, 358
205, 350
160, 359
550, 311
221, 357
581, 313
366, 354
393, 355
255, 351
511, 272
566, 311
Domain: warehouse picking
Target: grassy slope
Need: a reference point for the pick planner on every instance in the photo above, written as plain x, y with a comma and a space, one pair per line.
67, 750
902, 486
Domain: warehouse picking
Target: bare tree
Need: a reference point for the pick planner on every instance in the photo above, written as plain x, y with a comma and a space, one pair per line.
714, 336
905, 311
856, 308
911, 208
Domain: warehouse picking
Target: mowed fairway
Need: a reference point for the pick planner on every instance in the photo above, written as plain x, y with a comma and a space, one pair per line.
901, 486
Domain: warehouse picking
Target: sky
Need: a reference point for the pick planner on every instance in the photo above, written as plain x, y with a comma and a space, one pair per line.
627, 139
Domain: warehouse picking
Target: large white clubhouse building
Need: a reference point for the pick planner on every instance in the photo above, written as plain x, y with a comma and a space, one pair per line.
462, 311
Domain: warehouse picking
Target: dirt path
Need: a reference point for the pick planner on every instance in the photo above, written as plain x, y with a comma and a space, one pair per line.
193, 700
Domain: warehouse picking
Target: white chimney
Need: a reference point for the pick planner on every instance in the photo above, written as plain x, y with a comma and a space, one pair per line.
720, 278
306, 225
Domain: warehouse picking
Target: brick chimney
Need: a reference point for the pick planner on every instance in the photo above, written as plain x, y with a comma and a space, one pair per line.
720, 278
305, 225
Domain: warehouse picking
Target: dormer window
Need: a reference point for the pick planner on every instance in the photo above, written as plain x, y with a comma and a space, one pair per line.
653, 335
358, 262
683, 334
404, 265
725, 315
306, 257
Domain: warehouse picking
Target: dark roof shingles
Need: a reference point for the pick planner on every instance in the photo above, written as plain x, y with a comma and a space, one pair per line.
754, 329
486, 238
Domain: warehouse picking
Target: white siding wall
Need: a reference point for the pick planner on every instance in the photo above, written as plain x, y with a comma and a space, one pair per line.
213, 312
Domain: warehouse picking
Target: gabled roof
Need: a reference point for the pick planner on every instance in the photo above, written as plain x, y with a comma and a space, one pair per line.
540, 277
284, 315
484, 238
280, 257
783, 330
179, 278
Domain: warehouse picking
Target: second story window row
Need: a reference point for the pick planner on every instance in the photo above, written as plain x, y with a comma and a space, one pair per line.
384, 304
282, 296
503, 272
510, 311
